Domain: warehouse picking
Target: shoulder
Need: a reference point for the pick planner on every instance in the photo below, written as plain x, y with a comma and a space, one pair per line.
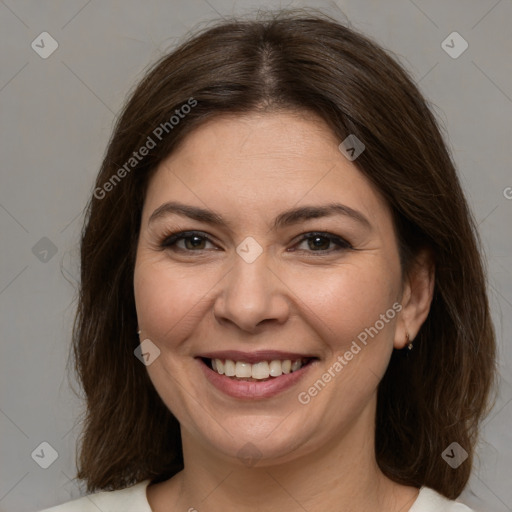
429, 500
131, 499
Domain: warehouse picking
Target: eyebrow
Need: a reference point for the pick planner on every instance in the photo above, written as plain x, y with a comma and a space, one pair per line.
286, 218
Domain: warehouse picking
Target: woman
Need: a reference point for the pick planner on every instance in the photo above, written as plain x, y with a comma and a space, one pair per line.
283, 303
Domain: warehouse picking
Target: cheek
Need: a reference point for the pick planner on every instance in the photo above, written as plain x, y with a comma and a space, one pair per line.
347, 300
349, 305
168, 300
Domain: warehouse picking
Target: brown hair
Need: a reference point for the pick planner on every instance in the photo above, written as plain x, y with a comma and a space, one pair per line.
429, 397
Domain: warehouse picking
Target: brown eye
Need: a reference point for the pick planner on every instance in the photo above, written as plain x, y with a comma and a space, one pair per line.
320, 242
193, 241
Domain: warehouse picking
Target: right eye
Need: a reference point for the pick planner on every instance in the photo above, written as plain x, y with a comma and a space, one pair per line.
194, 241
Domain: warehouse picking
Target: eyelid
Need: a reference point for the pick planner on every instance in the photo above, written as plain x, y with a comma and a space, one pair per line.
170, 240
341, 242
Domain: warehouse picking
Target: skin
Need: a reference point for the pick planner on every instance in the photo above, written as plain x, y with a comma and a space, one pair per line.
316, 456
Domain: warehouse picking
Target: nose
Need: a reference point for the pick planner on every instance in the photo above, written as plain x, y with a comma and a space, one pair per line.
252, 294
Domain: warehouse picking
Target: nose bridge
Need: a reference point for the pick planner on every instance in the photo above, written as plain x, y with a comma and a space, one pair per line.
252, 292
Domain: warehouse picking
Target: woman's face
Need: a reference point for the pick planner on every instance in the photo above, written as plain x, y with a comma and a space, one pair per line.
274, 281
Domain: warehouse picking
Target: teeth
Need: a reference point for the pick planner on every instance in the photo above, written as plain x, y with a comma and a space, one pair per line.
296, 365
218, 366
229, 368
258, 371
243, 369
276, 368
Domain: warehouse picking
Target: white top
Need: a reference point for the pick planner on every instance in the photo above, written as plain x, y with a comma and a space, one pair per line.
133, 499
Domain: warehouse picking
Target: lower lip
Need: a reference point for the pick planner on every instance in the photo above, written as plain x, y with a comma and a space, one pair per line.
254, 390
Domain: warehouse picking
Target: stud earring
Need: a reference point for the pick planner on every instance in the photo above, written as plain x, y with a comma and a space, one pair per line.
409, 343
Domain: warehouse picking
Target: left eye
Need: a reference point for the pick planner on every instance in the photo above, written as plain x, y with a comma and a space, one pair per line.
319, 241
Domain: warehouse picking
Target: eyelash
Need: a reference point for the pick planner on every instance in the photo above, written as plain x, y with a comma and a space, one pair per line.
170, 239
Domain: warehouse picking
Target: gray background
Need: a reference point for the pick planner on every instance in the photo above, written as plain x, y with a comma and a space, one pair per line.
56, 117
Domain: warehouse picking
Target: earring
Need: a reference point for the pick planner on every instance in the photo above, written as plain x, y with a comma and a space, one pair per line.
409, 344
139, 331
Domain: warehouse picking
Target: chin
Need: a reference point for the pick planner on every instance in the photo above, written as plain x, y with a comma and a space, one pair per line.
257, 440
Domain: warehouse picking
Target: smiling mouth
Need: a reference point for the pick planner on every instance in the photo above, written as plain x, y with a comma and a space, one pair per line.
256, 372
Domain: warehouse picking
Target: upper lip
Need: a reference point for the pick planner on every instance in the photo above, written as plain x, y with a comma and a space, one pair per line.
255, 357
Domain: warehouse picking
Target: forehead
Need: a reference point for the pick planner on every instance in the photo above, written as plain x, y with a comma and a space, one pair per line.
260, 163
266, 143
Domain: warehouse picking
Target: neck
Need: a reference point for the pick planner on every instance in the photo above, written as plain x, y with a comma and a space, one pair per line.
342, 475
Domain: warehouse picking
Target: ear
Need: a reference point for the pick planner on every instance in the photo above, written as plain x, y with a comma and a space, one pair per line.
417, 293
